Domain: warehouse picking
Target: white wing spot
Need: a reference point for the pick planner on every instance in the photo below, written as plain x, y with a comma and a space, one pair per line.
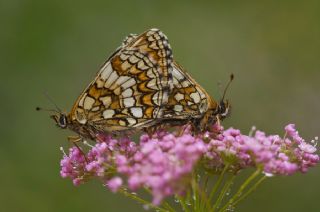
128, 102
131, 121
88, 102
177, 74
125, 65
127, 93
179, 96
157, 98
152, 84
178, 108
100, 82
96, 108
133, 59
106, 100
136, 112
142, 66
124, 56
185, 83
122, 123
108, 114
196, 97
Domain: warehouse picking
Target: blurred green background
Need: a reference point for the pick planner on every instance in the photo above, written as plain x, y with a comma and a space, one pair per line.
272, 47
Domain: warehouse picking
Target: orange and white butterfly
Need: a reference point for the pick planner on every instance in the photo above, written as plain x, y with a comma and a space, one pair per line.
189, 103
130, 91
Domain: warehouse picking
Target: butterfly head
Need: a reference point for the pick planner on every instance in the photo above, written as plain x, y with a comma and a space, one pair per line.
216, 114
60, 119
224, 106
223, 109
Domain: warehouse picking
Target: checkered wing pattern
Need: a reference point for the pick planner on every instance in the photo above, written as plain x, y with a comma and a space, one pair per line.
132, 87
187, 100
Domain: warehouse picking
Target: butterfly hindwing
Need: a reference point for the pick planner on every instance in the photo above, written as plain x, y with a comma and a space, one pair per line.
188, 101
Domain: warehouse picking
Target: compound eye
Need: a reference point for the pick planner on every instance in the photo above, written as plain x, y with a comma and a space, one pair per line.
62, 121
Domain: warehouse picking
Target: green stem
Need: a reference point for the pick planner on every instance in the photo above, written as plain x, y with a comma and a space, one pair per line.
223, 192
140, 200
217, 184
207, 205
194, 194
203, 200
241, 189
183, 203
252, 189
168, 206
206, 183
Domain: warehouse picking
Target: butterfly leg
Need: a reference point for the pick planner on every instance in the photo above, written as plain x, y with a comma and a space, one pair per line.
182, 129
75, 140
218, 120
151, 130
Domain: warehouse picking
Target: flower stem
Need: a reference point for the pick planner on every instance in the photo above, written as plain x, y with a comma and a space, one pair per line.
168, 206
204, 204
195, 195
140, 200
223, 192
241, 189
217, 184
204, 194
183, 203
252, 189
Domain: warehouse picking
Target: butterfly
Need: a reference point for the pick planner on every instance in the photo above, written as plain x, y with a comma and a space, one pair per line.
188, 102
129, 92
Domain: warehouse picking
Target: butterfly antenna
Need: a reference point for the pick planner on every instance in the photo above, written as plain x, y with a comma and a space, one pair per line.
225, 90
45, 109
219, 88
52, 102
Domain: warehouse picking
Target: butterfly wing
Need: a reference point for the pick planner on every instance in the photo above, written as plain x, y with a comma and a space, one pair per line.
131, 88
187, 100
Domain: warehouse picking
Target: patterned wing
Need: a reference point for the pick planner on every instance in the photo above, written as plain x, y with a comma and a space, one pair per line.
131, 88
187, 100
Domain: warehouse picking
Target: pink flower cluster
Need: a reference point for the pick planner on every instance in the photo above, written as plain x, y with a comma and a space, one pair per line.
164, 162
273, 154
98, 162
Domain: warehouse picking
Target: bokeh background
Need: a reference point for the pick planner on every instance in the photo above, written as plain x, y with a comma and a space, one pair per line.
272, 47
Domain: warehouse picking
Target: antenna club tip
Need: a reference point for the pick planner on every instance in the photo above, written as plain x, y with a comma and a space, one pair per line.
38, 108
231, 76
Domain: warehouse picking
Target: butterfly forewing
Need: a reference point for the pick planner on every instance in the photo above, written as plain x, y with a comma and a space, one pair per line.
132, 87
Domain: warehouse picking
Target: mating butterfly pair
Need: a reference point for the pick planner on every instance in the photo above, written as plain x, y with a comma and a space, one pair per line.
140, 87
